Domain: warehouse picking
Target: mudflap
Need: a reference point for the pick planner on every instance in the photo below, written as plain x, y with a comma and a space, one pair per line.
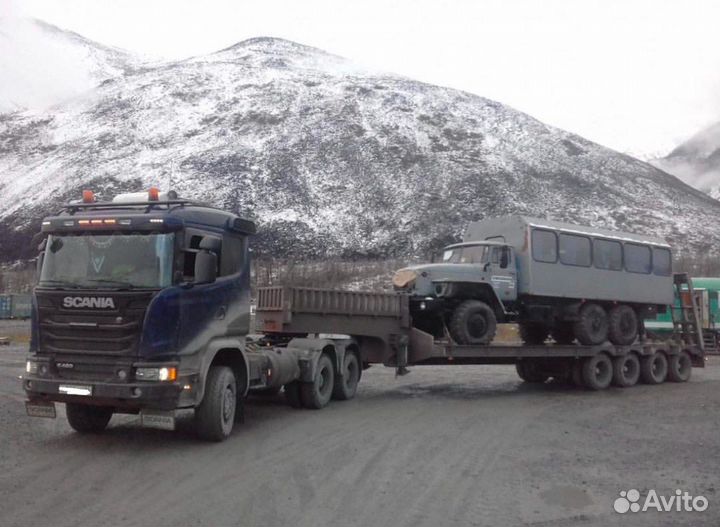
41, 409
159, 419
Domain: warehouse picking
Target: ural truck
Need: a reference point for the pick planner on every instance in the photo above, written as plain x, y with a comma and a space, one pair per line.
143, 307
552, 278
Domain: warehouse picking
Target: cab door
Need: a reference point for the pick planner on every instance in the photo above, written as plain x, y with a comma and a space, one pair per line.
503, 274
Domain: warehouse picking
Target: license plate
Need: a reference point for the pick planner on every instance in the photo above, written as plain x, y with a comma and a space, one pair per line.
158, 419
40, 409
75, 389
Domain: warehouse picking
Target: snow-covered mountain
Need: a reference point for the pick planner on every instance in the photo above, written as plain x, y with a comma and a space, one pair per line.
328, 157
42, 65
697, 160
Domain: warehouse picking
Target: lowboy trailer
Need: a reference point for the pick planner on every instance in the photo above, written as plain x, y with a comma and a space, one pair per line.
379, 328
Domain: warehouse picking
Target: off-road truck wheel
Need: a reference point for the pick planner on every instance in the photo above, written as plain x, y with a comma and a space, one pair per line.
654, 368
533, 332
292, 394
622, 325
591, 328
563, 333
679, 367
626, 370
346, 384
527, 370
215, 416
597, 372
317, 394
87, 419
473, 322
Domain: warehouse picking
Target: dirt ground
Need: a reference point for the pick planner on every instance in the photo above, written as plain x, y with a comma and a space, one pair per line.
441, 446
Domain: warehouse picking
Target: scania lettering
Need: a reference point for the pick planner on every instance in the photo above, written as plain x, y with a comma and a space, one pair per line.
89, 302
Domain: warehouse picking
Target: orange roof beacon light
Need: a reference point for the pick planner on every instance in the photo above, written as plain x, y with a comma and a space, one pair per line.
153, 194
88, 196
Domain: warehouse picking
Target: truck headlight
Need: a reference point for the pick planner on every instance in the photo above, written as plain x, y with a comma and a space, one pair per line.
31, 367
403, 278
163, 373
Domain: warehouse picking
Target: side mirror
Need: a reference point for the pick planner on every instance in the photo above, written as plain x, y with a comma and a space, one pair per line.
486, 267
205, 267
39, 264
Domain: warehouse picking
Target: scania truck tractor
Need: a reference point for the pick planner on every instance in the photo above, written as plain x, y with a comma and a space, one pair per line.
143, 307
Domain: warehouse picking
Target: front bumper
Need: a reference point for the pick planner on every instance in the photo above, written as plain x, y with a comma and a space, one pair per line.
127, 396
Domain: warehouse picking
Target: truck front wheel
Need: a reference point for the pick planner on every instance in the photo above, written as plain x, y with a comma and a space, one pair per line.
88, 419
317, 394
473, 322
215, 416
591, 328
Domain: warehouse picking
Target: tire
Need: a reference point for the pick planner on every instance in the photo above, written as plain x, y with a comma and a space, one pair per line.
87, 419
679, 367
347, 383
317, 394
591, 328
563, 333
622, 325
215, 416
533, 333
528, 372
597, 372
292, 394
473, 322
626, 370
654, 368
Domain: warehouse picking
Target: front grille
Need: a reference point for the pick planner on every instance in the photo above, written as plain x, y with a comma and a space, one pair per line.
78, 368
114, 331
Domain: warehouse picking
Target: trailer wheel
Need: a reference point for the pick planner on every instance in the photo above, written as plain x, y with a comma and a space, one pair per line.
473, 322
87, 419
215, 416
626, 370
654, 368
317, 394
591, 328
622, 325
533, 332
563, 333
597, 372
680, 367
527, 370
346, 384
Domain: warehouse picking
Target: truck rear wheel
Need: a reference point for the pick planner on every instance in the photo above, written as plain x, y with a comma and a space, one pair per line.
626, 370
654, 368
527, 370
679, 367
215, 416
346, 384
591, 328
597, 372
317, 394
622, 325
88, 419
473, 322
563, 333
533, 332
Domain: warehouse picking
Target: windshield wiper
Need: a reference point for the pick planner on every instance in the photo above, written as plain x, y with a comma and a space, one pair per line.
59, 284
114, 283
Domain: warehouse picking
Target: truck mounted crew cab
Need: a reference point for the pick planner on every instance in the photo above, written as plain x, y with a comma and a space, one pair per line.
554, 278
143, 307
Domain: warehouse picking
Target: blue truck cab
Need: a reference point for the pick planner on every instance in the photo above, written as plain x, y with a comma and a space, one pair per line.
143, 306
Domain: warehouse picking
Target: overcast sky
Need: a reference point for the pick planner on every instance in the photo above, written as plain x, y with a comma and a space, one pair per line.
639, 76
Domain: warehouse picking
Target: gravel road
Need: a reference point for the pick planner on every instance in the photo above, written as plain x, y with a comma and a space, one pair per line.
441, 446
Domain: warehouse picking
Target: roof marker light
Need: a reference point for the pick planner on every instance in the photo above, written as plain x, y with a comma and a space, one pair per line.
153, 194
84, 222
68, 223
156, 220
46, 223
88, 196
96, 222
124, 222
109, 222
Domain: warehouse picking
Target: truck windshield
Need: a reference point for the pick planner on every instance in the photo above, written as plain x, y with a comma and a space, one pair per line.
114, 261
466, 254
